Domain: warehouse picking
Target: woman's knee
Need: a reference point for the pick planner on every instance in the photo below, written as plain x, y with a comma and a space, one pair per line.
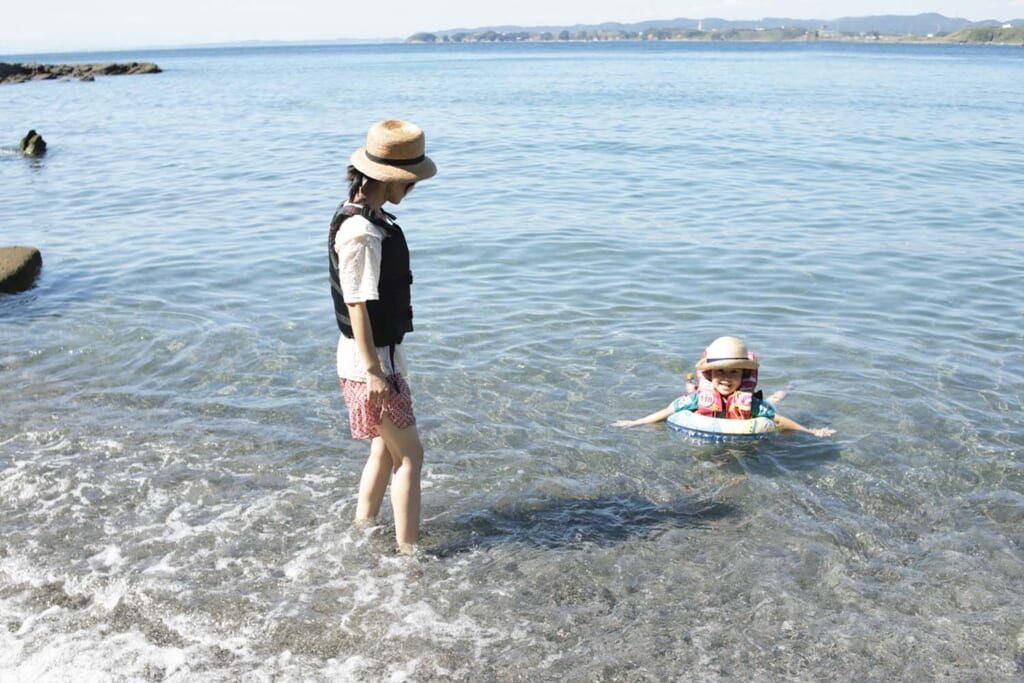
410, 457
414, 459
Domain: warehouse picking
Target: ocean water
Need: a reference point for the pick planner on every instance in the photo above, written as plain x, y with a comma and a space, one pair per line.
177, 481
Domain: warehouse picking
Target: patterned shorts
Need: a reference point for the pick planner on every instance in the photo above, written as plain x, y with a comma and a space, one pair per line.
363, 420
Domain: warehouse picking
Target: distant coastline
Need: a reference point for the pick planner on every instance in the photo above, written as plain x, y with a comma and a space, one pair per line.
920, 28
975, 36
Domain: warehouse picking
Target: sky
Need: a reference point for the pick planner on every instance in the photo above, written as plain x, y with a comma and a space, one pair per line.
78, 25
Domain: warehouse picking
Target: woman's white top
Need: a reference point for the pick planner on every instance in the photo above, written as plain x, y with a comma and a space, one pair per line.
358, 245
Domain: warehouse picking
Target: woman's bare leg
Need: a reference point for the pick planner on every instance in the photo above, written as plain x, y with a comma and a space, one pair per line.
374, 481
406, 453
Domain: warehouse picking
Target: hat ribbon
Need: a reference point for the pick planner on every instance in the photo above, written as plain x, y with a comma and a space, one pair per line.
394, 162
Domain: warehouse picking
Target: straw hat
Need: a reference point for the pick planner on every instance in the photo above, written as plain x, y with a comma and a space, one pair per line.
727, 352
394, 151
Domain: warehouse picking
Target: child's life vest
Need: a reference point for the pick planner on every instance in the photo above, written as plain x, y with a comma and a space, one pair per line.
737, 405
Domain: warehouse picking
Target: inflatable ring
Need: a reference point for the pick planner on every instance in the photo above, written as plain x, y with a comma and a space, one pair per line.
718, 429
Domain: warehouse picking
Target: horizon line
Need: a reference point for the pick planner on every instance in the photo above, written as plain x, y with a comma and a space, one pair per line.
382, 40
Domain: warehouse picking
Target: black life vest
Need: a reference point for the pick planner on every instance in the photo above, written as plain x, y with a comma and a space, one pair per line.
391, 313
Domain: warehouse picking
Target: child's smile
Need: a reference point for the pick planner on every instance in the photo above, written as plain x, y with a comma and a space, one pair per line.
727, 381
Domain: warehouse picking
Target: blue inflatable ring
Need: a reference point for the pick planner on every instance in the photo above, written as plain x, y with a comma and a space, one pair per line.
718, 429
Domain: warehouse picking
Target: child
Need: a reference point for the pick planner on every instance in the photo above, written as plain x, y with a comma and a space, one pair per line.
728, 377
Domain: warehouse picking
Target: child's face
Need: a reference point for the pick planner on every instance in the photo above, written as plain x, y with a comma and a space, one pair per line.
726, 381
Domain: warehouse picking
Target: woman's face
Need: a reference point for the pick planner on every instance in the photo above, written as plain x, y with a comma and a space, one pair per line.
397, 191
726, 381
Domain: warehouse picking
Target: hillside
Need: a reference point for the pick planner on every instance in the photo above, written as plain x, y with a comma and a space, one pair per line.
988, 34
772, 28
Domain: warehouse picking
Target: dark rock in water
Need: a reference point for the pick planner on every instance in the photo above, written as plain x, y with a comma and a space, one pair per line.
33, 144
112, 69
19, 73
19, 267
10, 72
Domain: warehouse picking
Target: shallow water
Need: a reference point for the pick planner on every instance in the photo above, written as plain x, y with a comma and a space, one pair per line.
176, 477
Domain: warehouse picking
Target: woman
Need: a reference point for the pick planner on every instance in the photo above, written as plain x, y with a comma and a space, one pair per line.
370, 284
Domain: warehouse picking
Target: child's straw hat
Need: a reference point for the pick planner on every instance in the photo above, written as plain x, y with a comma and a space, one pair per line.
725, 353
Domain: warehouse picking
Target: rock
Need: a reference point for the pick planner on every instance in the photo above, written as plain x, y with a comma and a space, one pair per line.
33, 144
144, 68
109, 69
11, 72
19, 73
19, 267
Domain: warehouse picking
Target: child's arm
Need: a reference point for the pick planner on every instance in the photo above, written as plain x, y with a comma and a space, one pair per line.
786, 423
653, 418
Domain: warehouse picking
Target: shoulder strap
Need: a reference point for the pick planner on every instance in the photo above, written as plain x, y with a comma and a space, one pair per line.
346, 210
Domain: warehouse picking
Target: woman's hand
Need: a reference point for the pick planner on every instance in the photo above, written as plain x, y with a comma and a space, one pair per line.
378, 387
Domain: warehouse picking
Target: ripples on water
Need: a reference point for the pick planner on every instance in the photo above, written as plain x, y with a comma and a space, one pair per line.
175, 470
